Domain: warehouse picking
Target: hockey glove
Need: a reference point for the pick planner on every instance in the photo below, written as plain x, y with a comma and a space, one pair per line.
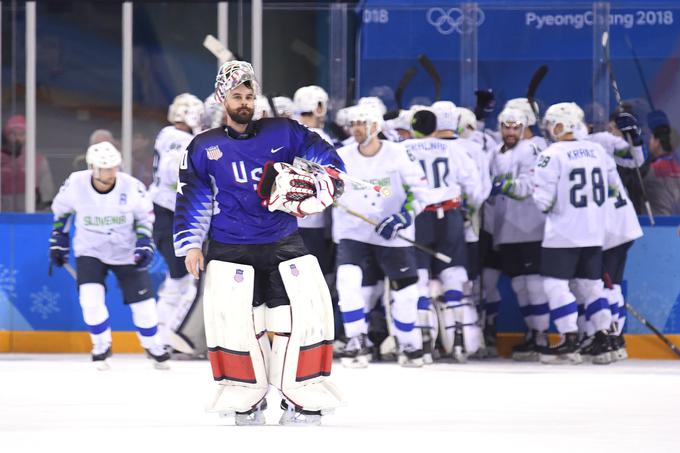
629, 127
59, 247
389, 227
501, 186
144, 251
486, 103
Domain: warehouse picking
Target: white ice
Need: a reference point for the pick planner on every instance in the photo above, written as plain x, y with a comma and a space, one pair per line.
60, 403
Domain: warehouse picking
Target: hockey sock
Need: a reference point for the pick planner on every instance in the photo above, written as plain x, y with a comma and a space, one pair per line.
96, 315
563, 309
519, 286
145, 319
351, 299
404, 315
540, 309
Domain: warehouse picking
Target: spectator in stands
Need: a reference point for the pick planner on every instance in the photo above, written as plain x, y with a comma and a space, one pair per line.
662, 182
13, 164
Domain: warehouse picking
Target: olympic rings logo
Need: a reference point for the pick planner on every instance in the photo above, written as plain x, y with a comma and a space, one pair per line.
454, 19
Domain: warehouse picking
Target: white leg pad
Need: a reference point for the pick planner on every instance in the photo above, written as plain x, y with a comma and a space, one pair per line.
301, 361
238, 348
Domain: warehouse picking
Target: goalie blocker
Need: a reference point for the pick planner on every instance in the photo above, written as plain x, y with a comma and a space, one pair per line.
299, 314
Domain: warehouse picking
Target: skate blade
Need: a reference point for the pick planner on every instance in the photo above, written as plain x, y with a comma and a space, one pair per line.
163, 366
356, 362
102, 365
255, 419
566, 359
459, 356
602, 359
294, 419
525, 356
415, 363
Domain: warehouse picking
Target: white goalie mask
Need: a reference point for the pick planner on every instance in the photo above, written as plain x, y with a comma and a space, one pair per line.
284, 106
213, 113
232, 74
373, 101
523, 105
188, 109
568, 114
103, 155
467, 122
307, 99
447, 117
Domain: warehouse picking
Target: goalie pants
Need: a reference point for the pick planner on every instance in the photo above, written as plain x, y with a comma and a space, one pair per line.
264, 258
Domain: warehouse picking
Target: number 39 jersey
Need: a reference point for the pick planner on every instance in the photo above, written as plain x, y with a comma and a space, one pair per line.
572, 182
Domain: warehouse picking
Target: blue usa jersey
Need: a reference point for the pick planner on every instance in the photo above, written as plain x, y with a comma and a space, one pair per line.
218, 179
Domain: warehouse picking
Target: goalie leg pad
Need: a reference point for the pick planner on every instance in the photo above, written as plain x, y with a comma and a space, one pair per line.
302, 357
234, 334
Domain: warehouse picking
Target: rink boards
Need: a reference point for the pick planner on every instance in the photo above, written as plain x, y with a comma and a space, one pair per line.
39, 313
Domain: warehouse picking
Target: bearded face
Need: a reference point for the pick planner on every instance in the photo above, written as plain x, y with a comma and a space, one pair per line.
240, 104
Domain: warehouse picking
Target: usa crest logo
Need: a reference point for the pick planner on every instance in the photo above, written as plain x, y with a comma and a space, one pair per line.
294, 270
238, 276
213, 152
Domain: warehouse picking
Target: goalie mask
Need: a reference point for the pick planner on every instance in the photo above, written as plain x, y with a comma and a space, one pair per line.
523, 105
309, 99
188, 109
232, 74
568, 114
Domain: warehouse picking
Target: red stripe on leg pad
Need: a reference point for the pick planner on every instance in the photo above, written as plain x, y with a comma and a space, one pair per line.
315, 360
231, 365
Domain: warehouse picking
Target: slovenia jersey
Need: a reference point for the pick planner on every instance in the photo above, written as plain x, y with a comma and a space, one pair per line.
168, 149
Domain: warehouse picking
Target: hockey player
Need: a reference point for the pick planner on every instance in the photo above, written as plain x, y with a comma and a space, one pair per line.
467, 128
452, 177
178, 291
386, 164
285, 108
518, 228
213, 113
523, 104
259, 276
572, 179
113, 222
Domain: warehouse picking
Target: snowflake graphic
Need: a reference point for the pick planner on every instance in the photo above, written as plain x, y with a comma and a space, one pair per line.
8, 282
44, 302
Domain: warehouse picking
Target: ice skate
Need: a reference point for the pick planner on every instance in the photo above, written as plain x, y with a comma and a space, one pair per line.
599, 350
459, 354
567, 351
411, 358
490, 349
101, 361
296, 416
253, 417
160, 359
529, 350
619, 347
357, 352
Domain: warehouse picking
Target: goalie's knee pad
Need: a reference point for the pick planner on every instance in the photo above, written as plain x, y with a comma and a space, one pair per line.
301, 361
238, 348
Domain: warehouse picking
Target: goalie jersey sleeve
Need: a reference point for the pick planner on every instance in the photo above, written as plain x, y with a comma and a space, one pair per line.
572, 182
218, 178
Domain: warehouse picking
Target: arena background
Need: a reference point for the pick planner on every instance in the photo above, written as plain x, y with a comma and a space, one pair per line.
73, 67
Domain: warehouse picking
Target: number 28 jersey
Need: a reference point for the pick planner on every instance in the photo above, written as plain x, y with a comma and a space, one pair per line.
572, 182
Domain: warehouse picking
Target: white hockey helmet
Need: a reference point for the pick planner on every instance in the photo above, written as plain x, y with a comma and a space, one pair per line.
213, 113
447, 117
568, 114
308, 98
373, 101
365, 114
284, 106
232, 74
186, 108
103, 155
262, 108
342, 116
523, 105
467, 122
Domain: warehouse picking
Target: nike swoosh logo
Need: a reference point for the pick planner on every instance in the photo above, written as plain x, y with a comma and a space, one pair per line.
403, 269
274, 150
142, 291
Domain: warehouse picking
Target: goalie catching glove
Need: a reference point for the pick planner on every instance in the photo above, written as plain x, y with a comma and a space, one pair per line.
296, 191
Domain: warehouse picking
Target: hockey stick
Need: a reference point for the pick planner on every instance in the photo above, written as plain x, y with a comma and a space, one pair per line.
535, 81
314, 167
617, 96
427, 64
71, 271
647, 324
403, 83
422, 248
216, 48
640, 73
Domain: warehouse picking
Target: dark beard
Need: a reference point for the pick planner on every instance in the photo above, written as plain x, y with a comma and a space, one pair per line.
241, 115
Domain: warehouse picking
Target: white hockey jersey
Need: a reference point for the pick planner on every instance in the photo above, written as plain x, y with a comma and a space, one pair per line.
572, 181
516, 216
106, 224
623, 153
450, 171
390, 167
481, 159
316, 220
168, 149
487, 141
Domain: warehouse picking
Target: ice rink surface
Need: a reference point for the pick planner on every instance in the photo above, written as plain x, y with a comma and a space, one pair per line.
61, 403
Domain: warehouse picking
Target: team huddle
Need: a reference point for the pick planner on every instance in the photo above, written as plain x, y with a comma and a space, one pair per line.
422, 209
